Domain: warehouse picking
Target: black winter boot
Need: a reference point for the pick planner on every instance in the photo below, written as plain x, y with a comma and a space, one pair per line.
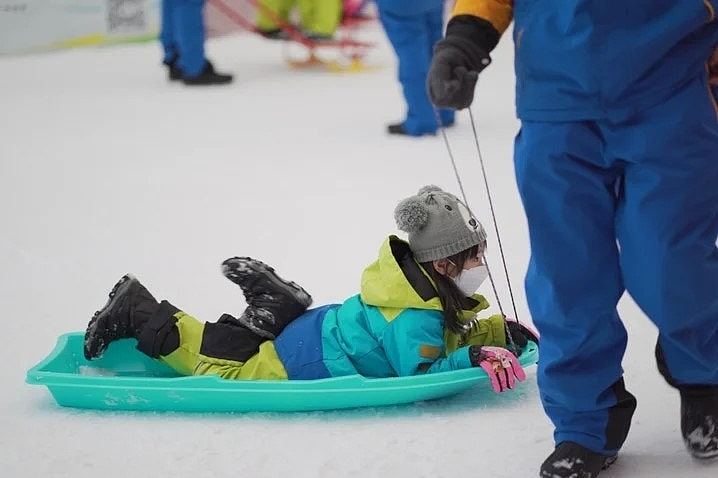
571, 460
699, 412
699, 420
129, 307
272, 302
174, 73
207, 77
397, 129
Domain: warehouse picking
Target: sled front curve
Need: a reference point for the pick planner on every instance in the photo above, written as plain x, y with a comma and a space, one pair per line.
125, 379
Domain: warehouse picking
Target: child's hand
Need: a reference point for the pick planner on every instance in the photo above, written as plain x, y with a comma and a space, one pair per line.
502, 367
521, 333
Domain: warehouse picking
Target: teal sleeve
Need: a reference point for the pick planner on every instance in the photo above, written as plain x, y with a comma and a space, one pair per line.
455, 361
414, 343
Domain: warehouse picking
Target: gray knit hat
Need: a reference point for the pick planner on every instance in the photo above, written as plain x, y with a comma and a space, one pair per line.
439, 225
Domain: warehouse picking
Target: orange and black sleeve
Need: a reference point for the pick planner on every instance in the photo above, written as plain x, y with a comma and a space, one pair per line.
483, 21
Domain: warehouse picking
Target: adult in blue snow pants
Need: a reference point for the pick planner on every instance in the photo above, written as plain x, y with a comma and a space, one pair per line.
617, 167
413, 28
182, 39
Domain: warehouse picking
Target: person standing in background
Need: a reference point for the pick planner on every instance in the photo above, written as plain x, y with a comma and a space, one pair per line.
413, 28
617, 167
319, 19
182, 39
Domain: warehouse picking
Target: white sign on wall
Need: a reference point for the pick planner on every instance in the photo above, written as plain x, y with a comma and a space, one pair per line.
37, 25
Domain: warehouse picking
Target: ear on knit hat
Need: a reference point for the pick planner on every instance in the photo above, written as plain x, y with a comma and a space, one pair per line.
429, 189
411, 215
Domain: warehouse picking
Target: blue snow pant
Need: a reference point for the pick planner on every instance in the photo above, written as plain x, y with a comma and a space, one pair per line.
413, 37
182, 34
650, 183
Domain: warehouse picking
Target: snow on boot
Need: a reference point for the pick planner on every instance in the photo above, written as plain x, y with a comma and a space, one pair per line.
129, 306
699, 420
571, 460
272, 302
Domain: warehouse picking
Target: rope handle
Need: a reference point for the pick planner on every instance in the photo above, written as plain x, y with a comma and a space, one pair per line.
493, 218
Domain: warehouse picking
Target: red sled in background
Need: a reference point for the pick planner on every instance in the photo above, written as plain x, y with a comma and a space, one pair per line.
350, 51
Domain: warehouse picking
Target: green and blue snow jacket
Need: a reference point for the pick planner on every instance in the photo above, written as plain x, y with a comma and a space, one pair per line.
394, 327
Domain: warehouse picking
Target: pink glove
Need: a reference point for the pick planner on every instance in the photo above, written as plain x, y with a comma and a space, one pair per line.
502, 367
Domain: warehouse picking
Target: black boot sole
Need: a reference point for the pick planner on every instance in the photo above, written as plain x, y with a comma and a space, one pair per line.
207, 81
231, 270
609, 461
704, 456
94, 346
699, 454
606, 465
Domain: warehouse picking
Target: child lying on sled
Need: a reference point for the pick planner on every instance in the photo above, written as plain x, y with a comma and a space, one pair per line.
415, 313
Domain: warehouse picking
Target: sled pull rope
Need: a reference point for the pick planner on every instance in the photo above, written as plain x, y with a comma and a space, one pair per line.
509, 336
493, 214
463, 195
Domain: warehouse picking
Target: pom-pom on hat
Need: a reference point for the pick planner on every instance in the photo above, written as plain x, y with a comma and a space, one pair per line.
439, 225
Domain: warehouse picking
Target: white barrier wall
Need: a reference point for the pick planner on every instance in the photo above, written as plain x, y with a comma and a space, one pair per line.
28, 26
38, 25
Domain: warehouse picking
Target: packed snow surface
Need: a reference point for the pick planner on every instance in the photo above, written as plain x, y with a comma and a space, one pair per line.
106, 168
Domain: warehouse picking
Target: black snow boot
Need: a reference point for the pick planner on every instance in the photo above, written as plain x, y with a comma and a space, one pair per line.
207, 77
174, 73
699, 420
272, 302
699, 412
397, 129
571, 460
130, 312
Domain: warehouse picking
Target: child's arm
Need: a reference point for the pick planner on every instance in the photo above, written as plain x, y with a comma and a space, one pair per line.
414, 343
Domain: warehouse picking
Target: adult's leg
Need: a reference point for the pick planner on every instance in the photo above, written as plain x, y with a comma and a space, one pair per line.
668, 225
167, 34
189, 35
574, 281
409, 35
667, 230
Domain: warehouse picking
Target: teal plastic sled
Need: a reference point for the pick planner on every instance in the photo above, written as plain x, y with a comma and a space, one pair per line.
125, 379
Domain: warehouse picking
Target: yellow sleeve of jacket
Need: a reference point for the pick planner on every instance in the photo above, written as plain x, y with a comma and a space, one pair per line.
497, 12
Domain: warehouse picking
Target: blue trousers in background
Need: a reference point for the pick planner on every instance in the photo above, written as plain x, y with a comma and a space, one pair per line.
612, 207
182, 34
413, 36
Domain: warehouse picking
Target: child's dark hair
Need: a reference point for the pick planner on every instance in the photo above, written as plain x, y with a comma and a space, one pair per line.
450, 295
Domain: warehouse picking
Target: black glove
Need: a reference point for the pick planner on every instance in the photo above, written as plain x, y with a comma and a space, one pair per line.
458, 60
521, 334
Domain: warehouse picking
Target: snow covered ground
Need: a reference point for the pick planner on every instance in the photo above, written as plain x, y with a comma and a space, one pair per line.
106, 168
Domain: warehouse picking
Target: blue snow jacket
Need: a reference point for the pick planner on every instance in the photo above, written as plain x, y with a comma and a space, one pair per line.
600, 59
395, 327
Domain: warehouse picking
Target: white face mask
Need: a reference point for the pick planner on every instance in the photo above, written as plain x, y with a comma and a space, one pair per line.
470, 280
